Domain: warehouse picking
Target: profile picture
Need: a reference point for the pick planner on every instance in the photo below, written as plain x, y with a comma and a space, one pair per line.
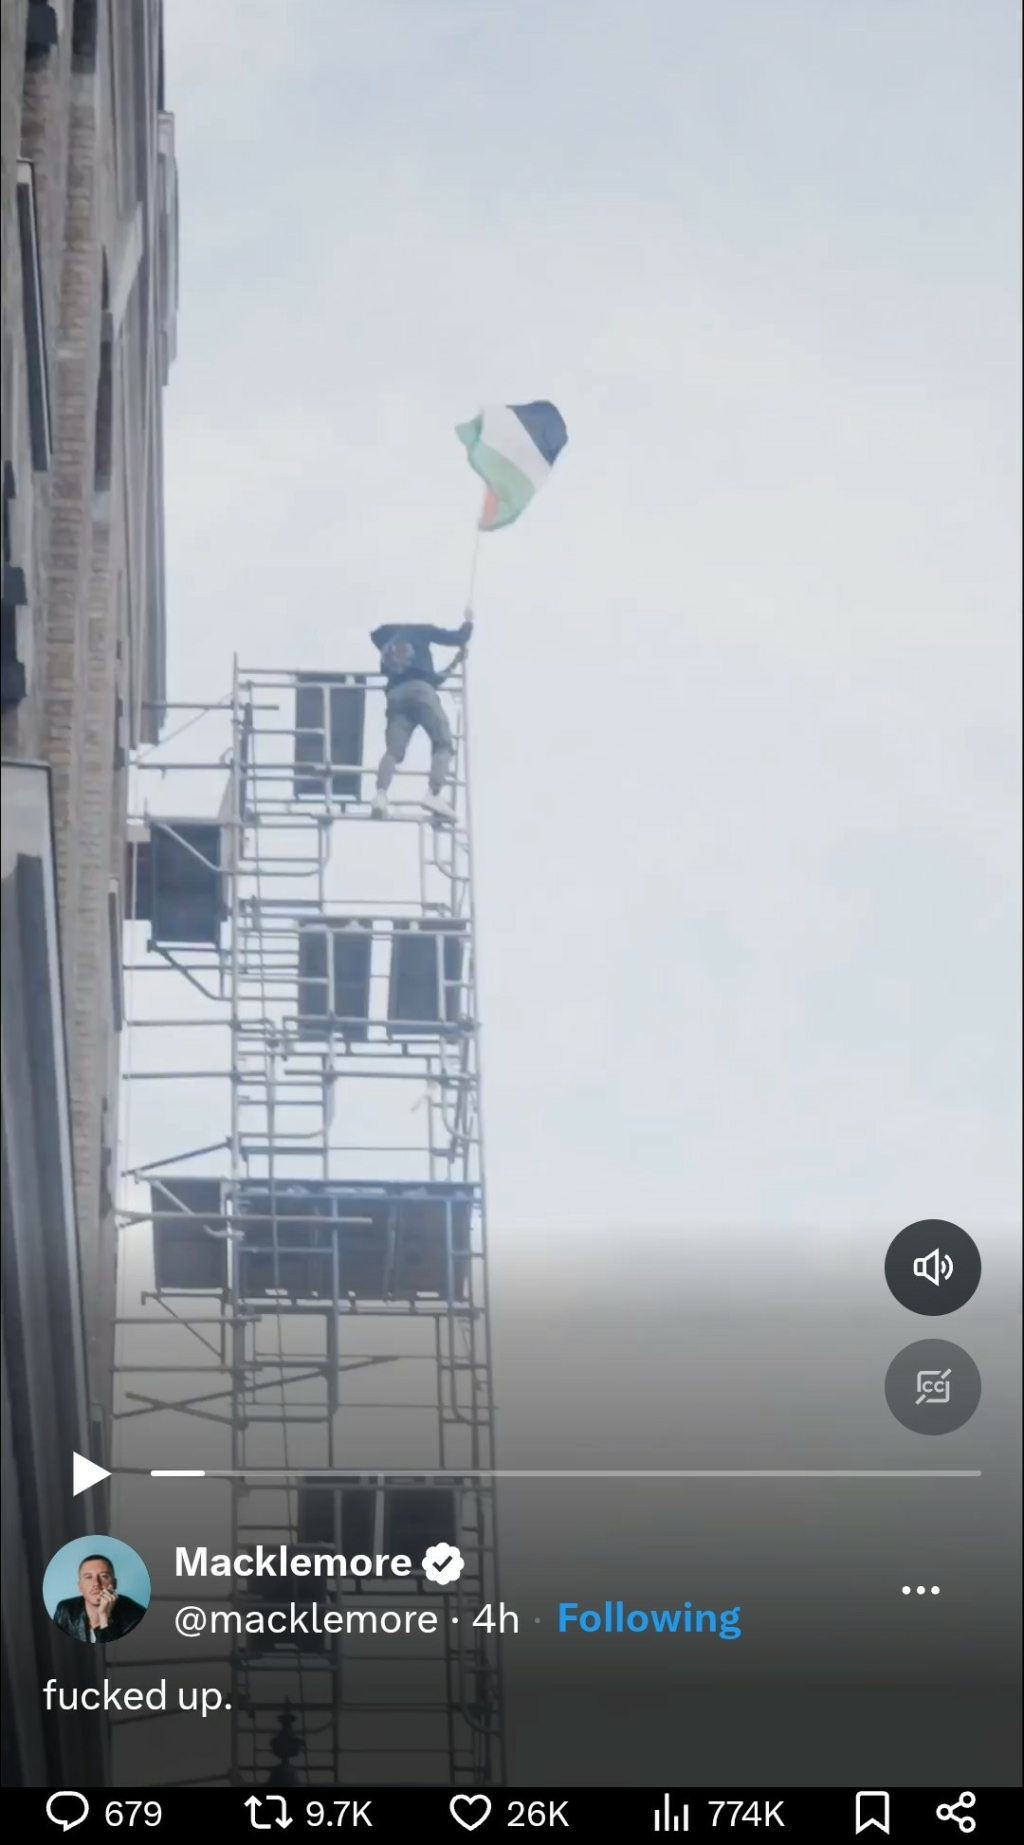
96, 1590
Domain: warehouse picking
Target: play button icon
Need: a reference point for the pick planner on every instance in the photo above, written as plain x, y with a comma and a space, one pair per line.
85, 1474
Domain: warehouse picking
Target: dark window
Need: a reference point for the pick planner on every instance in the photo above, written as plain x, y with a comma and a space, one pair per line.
13, 682
83, 35
189, 1251
174, 882
32, 308
334, 980
116, 956
40, 30
10, 495
329, 716
417, 1516
335, 1512
103, 465
120, 754
425, 986
106, 1167
15, 587
15, 596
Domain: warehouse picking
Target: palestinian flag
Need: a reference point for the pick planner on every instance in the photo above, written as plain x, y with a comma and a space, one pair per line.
513, 448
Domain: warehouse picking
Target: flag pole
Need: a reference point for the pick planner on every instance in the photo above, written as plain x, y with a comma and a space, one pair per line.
460, 658
473, 564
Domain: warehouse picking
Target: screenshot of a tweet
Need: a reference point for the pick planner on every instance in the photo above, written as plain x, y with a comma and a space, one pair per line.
511, 914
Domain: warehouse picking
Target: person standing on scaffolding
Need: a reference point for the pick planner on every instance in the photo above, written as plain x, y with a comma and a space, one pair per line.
413, 702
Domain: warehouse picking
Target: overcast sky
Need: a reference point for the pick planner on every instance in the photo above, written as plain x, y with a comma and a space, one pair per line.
743, 686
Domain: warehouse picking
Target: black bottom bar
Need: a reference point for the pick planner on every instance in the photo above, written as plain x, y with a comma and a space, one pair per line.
818, 1814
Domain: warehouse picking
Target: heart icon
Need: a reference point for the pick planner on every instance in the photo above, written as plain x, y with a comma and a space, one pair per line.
470, 1803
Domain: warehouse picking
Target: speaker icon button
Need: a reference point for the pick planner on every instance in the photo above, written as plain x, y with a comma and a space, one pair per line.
933, 1267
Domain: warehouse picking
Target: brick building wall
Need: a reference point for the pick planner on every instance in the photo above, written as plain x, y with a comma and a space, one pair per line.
87, 151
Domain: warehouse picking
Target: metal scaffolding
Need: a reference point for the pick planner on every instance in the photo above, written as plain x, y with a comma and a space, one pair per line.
303, 1225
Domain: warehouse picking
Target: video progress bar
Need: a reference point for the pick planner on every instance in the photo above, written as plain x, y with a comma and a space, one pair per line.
562, 1473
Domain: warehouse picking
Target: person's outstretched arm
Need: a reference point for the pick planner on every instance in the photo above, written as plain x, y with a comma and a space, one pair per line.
451, 637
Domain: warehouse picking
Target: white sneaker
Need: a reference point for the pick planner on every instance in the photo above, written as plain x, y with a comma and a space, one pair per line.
436, 804
379, 805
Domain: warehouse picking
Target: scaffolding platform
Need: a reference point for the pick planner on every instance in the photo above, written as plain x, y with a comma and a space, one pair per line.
312, 1239
303, 1226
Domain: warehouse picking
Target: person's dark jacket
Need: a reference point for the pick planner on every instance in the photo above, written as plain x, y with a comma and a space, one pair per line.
70, 1616
405, 650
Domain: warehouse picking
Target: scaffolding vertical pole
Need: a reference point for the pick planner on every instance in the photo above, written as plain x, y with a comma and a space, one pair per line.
481, 1140
235, 854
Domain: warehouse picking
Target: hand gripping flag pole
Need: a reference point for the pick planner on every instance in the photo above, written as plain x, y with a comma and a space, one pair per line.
459, 659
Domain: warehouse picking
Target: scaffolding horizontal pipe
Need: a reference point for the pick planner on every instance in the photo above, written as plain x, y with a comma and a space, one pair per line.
243, 1313
287, 678
343, 1307
262, 772
177, 1159
315, 1664
335, 913
450, 1081
273, 810
220, 708
283, 1151
366, 908
313, 1360
212, 1024
184, 1215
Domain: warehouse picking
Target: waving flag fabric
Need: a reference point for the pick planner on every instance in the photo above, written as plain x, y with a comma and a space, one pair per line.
513, 448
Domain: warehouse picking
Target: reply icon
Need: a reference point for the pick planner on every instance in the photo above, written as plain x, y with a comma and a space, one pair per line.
79, 1808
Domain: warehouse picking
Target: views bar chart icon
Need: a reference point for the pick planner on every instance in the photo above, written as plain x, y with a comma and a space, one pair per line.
667, 1821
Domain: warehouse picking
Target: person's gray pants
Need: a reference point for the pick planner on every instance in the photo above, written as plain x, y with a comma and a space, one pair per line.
411, 704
